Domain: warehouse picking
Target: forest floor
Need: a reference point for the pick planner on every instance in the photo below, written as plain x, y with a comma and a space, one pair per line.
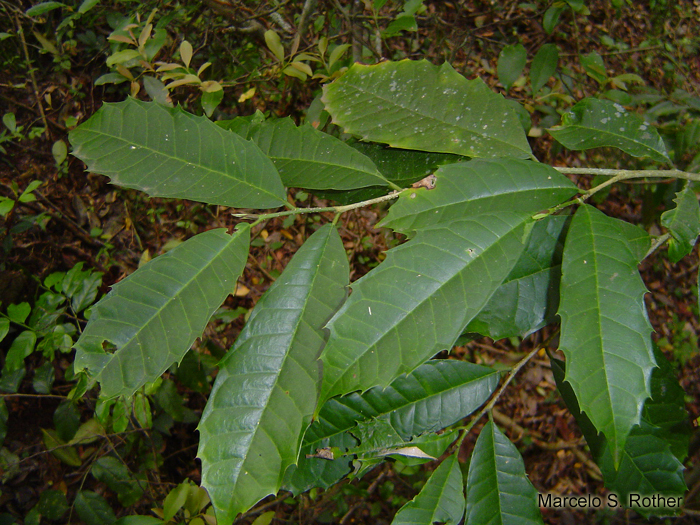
79, 217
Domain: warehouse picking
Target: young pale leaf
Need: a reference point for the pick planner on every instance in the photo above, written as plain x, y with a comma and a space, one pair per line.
684, 223
651, 461
150, 319
498, 490
593, 123
418, 301
267, 386
605, 331
308, 158
167, 152
468, 189
441, 499
511, 62
544, 65
529, 297
416, 105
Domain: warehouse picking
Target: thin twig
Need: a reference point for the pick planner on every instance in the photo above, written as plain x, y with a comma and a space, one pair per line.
32, 76
335, 209
494, 399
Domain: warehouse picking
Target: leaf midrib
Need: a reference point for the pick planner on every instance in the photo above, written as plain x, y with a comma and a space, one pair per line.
413, 111
159, 312
421, 303
129, 143
297, 325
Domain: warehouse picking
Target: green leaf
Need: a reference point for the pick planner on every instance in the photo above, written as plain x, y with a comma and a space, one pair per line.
66, 418
18, 313
111, 78
310, 472
211, 100
511, 62
544, 65
139, 520
81, 286
416, 105
123, 56
432, 397
605, 331
529, 297
551, 17
93, 509
4, 327
684, 223
155, 89
577, 5
651, 461
59, 450
87, 5
267, 387
416, 303
265, 518
150, 319
175, 500
52, 504
441, 499
594, 66
498, 490
401, 166
116, 476
308, 158
274, 44
167, 152
468, 189
43, 8
401, 23
44, 376
142, 411
21, 348
594, 123
404, 167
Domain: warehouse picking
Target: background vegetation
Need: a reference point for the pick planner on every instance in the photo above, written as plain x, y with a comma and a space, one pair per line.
68, 235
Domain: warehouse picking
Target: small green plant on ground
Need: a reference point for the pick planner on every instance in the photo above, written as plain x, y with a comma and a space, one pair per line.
321, 385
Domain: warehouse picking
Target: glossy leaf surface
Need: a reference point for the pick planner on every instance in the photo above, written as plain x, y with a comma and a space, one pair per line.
684, 223
529, 297
498, 490
605, 332
308, 158
433, 396
418, 301
468, 189
267, 386
440, 500
593, 123
651, 461
416, 105
150, 319
167, 152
